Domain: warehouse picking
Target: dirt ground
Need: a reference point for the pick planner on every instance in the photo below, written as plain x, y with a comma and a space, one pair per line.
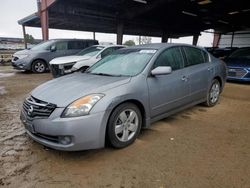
200, 147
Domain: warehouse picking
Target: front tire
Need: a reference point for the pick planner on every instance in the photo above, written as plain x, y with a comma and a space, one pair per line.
124, 125
38, 66
213, 93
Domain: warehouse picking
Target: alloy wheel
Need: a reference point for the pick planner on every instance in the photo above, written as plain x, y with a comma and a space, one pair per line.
126, 125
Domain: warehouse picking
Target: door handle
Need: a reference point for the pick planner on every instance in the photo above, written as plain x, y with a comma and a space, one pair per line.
184, 78
209, 68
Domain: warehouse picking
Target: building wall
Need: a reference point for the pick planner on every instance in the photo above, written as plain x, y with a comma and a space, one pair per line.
241, 39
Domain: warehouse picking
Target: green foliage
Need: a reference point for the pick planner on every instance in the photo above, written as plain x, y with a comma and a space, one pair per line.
29, 39
129, 43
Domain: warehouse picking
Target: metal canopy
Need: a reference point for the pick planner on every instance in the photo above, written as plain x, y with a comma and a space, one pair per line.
174, 18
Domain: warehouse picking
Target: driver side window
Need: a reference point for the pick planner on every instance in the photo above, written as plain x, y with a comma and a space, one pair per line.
62, 45
171, 57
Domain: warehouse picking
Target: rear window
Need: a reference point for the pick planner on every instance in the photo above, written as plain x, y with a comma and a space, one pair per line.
194, 56
205, 55
76, 45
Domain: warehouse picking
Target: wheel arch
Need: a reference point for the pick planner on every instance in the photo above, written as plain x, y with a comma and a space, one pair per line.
41, 59
138, 104
220, 81
133, 101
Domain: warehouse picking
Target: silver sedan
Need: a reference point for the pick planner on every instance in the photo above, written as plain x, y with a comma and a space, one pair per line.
120, 94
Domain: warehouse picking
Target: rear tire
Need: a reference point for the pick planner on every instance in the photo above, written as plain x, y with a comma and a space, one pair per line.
213, 94
39, 66
124, 125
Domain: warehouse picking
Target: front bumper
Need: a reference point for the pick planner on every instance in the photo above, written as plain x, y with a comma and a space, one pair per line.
85, 132
61, 70
21, 64
238, 74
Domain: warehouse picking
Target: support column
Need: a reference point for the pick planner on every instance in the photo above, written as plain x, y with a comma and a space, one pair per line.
216, 40
195, 39
232, 40
119, 34
24, 37
164, 38
44, 17
94, 35
140, 40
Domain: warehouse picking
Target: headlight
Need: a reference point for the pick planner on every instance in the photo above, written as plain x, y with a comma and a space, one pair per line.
21, 56
82, 106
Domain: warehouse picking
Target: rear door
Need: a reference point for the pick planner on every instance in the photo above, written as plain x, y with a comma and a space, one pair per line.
168, 92
198, 70
61, 48
75, 46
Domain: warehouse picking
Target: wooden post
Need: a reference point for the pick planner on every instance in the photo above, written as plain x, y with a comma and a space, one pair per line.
216, 40
24, 37
44, 19
119, 34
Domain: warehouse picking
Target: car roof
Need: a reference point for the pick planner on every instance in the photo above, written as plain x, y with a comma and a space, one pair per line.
108, 45
72, 40
159, 46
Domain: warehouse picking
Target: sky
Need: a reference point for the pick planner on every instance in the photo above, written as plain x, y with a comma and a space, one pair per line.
13, 10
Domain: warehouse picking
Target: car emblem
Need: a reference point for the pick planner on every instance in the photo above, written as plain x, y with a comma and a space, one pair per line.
231, 70
30, 110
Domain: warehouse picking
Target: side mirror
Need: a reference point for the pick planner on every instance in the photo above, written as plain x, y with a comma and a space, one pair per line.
162, 70
53, 48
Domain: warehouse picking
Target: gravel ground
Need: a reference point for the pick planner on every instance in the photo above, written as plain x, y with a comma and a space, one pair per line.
199, 147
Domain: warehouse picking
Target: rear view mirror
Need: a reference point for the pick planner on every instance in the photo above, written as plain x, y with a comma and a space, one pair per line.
161, 70
53, 48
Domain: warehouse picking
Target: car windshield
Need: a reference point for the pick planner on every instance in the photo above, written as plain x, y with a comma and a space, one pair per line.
91, 51
124, 62
43, 45
241, 53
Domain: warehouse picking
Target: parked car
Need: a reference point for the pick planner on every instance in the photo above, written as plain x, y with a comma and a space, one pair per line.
120, 94
38, 57
82, 60
238, 65
221, 53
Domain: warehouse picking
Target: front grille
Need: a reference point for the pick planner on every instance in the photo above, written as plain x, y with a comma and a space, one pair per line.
35, 108
67, 67
54, 139
236, 72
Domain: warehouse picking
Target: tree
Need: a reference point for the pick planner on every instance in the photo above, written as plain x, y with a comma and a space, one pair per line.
144, 40
29, 39
129, 43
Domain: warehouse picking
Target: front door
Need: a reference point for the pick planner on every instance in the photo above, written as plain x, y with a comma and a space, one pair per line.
168, 92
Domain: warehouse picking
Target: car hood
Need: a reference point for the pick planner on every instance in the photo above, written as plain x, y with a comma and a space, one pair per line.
238, 62
22, 52
64, 90
68, 59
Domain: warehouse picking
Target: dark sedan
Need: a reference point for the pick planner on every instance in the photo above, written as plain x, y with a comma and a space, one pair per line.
238, 65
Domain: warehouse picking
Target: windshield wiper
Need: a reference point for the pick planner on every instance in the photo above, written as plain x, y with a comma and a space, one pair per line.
105, 74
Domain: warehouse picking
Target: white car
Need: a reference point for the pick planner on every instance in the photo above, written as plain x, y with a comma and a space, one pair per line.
82, 60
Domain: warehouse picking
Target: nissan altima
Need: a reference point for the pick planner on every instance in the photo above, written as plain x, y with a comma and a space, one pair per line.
121, 94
